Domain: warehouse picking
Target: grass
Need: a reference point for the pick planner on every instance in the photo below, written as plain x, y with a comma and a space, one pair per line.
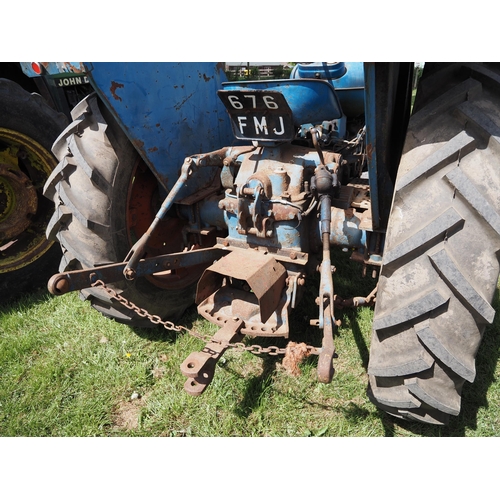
65, 370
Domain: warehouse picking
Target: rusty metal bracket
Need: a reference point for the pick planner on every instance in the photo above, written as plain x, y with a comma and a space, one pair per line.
326, 291
199, 367
325, 361
78, 280
265, 276
137, 251
367, 301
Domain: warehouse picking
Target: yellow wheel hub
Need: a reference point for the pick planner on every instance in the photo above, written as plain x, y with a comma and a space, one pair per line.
24, 167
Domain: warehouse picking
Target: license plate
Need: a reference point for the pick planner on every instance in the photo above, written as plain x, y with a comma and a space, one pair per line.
261, 115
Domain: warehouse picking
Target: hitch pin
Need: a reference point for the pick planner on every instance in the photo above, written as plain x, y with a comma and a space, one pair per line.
137, 251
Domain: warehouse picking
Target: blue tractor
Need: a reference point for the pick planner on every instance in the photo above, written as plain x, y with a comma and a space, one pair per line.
176, 186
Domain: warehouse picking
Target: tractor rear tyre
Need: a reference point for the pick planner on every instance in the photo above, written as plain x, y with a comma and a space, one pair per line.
105, 198
28, 127
440, 268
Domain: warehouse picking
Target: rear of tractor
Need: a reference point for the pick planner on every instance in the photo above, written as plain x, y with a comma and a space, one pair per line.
175, 186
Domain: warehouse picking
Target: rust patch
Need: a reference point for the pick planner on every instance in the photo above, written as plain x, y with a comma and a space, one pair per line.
74, 69
284, 212
206, 78
294, 355
114, 86
138, 144
153, 150
369, 151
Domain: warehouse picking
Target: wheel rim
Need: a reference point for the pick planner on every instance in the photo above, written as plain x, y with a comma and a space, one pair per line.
142, 205
24, 213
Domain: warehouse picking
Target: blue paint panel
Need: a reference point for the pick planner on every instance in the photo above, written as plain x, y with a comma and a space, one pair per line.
168, 110
371, 140
311, 101
347, 79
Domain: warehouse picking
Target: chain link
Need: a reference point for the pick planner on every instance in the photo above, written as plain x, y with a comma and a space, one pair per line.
168, 325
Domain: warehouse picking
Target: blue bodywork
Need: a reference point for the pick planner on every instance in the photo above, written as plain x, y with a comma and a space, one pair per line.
348, 80
168, 110
171, 110
309, 100
303, 176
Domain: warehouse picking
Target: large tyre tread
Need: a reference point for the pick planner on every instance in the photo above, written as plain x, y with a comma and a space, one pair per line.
30, 115
407, 355
476, 200
450, 172
476, 118
458, 283
450, 354
439, 389
411, 311
89, 189
427, 237
459, 146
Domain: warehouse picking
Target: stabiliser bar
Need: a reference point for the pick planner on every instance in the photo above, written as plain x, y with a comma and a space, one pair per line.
71, 281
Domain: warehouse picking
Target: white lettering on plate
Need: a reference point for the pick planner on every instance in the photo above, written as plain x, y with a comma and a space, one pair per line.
254, 99
241, 124
269, 102
262, 126
235, 102
282, 131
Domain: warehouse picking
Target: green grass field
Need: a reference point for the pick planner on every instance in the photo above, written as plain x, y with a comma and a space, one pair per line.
65, 370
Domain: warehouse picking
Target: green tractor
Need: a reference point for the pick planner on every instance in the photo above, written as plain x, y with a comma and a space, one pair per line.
33, 112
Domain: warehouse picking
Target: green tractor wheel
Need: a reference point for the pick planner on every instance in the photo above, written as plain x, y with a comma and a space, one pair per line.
28, 127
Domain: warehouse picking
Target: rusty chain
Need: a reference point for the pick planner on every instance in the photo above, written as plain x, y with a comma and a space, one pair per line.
168, 325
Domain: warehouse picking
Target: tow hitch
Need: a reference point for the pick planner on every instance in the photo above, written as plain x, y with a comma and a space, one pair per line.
199, 367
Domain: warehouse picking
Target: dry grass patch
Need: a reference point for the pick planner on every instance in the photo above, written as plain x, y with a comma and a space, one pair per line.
126, 416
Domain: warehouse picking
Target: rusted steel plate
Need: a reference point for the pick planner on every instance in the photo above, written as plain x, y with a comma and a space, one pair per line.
18, 202
265, 276
199, 367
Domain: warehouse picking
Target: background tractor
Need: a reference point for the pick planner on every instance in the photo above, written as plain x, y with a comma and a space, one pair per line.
176, 186
33, 112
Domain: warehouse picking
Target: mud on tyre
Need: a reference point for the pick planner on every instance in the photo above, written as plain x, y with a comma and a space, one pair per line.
440, 267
